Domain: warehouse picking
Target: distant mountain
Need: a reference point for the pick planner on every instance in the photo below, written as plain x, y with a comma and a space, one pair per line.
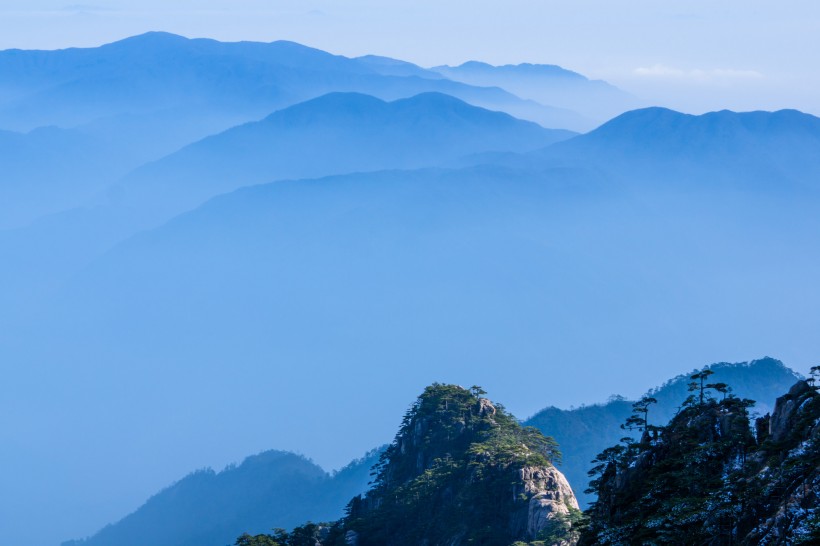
144, 97
584, 432
301, 291
203, 82
311, 290
396, 67
272, 489
547, 84
158, 72
334, 134
768, 150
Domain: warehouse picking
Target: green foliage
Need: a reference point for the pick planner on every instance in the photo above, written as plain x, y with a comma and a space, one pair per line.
308, 534
257, 540
564, 527
585, 431
702, 478
452, 471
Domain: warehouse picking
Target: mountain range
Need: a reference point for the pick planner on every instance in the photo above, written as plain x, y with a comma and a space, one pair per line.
188, 220
596, 100
395, 273
333, 134
147, 96
282, 490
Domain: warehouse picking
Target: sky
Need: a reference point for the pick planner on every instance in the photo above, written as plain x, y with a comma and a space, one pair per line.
694, 55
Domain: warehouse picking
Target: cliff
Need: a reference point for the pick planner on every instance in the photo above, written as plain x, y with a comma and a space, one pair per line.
460, 471
709, 477
585, 431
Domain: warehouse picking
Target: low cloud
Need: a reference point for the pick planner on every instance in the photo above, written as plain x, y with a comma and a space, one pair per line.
661, 71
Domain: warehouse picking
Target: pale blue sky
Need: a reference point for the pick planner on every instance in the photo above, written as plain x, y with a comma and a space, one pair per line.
692, 55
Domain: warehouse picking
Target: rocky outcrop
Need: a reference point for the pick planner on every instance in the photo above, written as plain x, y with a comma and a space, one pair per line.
463, 471
549, 498
789, 472
786, 410
707, 480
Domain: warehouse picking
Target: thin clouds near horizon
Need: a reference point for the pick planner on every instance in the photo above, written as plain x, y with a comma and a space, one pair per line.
697, 75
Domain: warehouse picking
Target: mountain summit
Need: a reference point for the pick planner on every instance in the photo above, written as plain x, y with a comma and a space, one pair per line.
766, 150
460, 471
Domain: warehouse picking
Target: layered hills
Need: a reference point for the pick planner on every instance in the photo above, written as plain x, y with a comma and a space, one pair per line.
139, 99
165, 75
392, 274
333, 134
660, 240
446, 424
597, 100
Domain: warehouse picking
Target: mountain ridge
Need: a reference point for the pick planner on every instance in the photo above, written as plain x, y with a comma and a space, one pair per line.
336, 133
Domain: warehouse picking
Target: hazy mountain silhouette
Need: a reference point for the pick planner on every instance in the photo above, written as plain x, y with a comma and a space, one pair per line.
139, 99
586, 431
547, 84
531, 108
765, 150
297, 291
206, 508
202, 82
157, 72
334, 134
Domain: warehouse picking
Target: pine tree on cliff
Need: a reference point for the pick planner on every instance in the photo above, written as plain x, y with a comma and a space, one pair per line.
462, 470
708, 480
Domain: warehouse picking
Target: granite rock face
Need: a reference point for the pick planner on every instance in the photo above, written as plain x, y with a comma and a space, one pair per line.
462, 471
786, 410
550, 496
735, 487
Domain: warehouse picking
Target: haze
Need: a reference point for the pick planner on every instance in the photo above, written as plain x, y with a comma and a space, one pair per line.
213, 248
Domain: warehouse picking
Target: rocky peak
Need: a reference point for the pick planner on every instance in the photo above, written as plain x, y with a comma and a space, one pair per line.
462, 470
786, 410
